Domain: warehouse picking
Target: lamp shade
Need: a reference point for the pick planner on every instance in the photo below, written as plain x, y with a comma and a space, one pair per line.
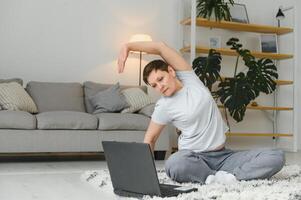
280, 14
140, 38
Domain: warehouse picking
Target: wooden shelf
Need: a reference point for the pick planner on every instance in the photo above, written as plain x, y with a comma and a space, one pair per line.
283, 82
235, 26
233, 134
278, 82
260, 134
265, 108
230, 52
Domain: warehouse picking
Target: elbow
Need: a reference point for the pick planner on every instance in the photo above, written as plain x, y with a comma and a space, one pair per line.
162, 44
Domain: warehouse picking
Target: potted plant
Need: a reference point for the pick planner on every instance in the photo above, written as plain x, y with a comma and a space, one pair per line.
220, 9
236, 92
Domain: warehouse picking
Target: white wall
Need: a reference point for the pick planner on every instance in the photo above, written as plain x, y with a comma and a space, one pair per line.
79, 40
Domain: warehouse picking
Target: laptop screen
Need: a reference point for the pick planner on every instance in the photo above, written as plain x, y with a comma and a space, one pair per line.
131, 167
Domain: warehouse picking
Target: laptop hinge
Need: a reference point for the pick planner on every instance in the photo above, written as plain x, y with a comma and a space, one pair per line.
125, 193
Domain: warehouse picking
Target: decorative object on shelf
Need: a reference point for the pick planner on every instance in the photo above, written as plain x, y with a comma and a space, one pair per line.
236, 92
233, 26
220, 9
239, 13
280, 15
254, 104
215, 42
268, 43
140, 38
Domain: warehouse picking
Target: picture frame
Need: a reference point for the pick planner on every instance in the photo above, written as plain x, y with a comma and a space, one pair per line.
239, 13
268, 43
214, 42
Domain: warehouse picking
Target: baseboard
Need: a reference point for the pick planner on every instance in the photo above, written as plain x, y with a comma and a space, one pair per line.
60, 156
51, 156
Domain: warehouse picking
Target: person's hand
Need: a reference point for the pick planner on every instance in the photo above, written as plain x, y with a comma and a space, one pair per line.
123, 54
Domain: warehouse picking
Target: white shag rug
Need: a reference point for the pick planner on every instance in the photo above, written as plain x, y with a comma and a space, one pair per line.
286, 185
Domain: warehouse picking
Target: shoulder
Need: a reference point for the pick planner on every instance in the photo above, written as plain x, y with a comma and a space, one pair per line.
185, 73
188, 76
161, 103
161, 114
192, 82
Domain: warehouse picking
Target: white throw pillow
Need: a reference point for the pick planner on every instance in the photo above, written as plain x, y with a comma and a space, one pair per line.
14, 97
136, 98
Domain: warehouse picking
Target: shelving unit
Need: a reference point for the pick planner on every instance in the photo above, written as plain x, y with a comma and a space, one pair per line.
264, 108
193, 22
278, 82
259, 134
230, 52
256, 28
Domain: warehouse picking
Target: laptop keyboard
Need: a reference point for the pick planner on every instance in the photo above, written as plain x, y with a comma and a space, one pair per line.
168, 190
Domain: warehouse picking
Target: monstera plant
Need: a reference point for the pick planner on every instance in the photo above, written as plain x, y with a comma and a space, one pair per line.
220, 8
236, 92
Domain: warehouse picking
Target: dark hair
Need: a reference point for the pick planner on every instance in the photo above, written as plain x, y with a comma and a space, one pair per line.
154, 65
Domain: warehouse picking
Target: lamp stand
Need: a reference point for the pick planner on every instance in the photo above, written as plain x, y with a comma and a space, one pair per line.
140, 68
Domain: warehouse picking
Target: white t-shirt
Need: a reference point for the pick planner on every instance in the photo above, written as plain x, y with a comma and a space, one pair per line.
193, 111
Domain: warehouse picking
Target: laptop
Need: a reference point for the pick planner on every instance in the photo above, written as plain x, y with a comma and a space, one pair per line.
133, 173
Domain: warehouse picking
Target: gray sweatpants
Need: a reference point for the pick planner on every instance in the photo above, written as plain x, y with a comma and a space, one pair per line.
188, 166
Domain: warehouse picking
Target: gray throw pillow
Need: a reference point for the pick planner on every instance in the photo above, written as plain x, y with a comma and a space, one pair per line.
109, 100
92, 88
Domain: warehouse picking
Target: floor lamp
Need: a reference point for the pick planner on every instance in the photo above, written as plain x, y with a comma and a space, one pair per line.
140, 38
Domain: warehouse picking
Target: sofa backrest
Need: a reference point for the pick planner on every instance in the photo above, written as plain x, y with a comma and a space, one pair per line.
92, 88
51, 96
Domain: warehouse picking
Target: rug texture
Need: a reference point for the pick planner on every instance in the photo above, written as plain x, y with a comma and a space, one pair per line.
286, 185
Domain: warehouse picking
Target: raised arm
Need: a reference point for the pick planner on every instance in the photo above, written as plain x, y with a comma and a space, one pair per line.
171, 56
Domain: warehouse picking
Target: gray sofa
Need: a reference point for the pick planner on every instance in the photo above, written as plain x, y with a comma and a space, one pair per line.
65, 122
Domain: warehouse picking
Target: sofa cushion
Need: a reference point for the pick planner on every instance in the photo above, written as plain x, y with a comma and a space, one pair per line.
109, 100
92, 88
17, 120
14, 97
17, 80
51, 96
126, 121
66, 120
147, 110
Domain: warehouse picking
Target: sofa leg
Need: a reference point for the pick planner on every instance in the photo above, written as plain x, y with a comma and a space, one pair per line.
160, 155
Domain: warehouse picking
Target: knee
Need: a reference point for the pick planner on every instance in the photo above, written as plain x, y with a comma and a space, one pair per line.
176, 167
178, 172
177, 158
277, 160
